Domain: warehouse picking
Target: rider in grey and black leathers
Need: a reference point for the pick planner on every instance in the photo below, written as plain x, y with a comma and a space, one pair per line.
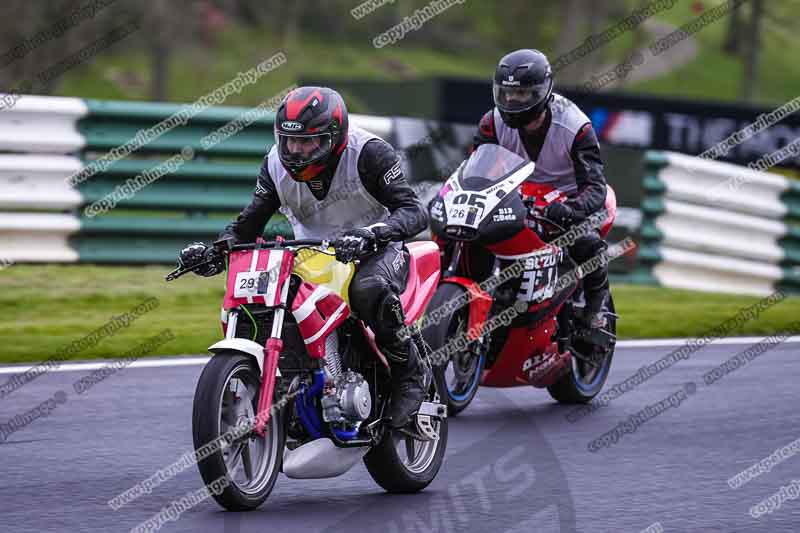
550, 130
329, 179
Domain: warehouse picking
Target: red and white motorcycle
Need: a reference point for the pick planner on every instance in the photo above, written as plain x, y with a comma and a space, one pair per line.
489, 234
298, 384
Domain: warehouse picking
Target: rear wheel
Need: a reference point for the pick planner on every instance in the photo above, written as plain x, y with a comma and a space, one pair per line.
226, 396
459, 375
585, 379
403, 464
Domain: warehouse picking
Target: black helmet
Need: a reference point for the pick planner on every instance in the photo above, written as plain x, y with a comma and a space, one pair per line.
523, 83
311, 131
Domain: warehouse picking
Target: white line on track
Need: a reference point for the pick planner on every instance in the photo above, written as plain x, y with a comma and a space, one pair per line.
94, 365
654, 343
194, 361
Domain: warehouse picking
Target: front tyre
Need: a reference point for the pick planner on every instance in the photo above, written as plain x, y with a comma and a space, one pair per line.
227, 395
458, 376
402, 464
585, 380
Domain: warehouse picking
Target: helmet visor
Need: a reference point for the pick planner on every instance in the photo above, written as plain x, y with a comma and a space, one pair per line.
515, 99
302, 149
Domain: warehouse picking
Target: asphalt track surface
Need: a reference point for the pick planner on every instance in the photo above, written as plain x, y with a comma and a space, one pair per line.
514, 463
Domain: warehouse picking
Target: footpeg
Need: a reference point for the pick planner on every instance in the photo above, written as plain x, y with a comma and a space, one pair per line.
600, 337
437, 410
425, 428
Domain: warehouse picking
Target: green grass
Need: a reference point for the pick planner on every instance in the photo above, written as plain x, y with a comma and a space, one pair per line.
714, 75
654, 312
48, 307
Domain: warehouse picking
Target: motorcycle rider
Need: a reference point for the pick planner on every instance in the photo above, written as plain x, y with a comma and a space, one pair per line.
324, 174
539, 125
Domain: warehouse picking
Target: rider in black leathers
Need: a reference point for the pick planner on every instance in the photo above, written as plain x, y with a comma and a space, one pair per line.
383, 270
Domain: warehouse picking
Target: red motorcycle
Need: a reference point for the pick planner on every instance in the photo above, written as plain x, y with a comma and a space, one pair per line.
506, 312
298, 384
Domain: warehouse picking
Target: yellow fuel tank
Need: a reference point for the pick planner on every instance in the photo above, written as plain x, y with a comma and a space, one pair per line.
323, 269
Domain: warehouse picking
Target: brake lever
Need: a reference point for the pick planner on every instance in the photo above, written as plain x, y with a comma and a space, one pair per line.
178, 272
542, 218
175, 274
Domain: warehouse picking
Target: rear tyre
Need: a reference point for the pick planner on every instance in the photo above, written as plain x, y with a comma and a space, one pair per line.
459, 375
584, 380
402, 464
227, 395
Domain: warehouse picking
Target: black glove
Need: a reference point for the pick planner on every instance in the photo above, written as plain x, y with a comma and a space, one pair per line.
560, 213
355, 244
197, 253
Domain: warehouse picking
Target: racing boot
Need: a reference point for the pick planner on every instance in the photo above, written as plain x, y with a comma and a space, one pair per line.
410, 381
593, 315
595, 289
594, 321
411, 376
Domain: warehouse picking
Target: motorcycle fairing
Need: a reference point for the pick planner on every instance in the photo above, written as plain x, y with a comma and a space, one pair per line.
321, 303
318, 311
423, 275
468, 208
479, 305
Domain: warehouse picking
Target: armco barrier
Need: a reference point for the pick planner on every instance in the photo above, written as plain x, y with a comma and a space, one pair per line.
718, 227
45, 140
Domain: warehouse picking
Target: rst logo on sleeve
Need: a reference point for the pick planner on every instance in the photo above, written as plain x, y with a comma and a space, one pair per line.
393, 173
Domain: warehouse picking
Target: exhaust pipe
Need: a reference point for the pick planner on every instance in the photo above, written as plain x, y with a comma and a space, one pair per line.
320, 458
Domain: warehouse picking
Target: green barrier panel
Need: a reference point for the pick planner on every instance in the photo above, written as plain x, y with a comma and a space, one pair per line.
113, 123
791, 246
652, 206
791, 198
790, 282
194, 186
138, 240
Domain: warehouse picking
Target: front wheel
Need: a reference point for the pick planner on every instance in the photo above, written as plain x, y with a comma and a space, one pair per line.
227, 396
459, 375
402, 464
585, 379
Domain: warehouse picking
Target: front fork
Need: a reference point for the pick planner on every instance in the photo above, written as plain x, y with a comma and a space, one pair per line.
455, 257
272, 353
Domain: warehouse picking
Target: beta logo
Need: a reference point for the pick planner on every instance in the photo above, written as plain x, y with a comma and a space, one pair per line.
291, 125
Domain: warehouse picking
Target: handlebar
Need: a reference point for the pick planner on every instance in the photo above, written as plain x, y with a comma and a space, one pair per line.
542, 218
225, 246
270, 244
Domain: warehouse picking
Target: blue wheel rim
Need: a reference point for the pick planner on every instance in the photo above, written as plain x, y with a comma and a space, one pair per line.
472, 386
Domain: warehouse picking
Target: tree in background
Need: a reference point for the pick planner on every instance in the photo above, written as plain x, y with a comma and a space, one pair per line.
752, 55
181, 38
733, 33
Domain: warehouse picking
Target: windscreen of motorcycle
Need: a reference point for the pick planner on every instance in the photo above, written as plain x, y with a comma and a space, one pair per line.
476, 203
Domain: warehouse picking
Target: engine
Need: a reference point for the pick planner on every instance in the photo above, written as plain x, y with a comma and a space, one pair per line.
348, 400
346, 397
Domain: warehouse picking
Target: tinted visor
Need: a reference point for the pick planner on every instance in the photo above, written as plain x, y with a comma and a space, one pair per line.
302, 149
514, 99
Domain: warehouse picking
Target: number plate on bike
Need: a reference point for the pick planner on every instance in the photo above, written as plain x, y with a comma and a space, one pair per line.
254, 283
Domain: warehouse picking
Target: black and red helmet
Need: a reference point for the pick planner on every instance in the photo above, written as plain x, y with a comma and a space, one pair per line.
310, 131
523, 85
